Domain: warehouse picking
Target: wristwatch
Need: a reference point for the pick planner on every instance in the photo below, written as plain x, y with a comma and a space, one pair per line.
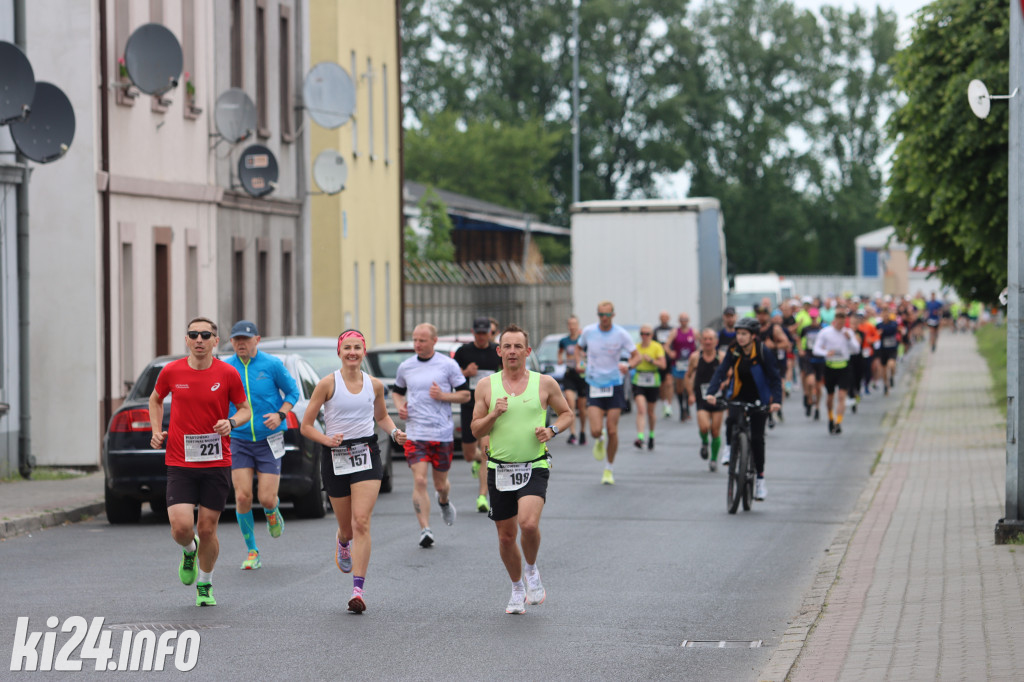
393, 432
281, 415
554, 429
231, 420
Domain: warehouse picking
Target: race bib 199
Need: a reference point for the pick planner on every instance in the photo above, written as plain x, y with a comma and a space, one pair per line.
512, 476
349, 460
203, 447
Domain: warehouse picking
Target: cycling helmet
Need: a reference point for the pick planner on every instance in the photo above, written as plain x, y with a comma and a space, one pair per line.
748, 323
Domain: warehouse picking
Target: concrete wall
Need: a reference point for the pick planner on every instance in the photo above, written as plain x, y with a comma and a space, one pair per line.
9, 353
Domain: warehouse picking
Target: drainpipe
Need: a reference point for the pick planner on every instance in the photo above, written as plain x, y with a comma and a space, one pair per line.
25, 459
105, 215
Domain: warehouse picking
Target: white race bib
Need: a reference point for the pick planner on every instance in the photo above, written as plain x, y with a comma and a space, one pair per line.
601, 392
276, 443
480, 374
509, 476
682, 364
704, 391
646, 378
866, 352
203, 447
889, 342
349, 460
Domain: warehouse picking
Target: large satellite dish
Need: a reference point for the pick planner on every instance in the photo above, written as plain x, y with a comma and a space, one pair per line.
257, 169
48, 131
329, 95
234, 115
153, 59
17, 84
330, 172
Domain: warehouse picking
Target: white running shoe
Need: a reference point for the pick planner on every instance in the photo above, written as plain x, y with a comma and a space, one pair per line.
760, 490
535, 593
447, 509
668, 411
426, 538
517, 602
726, 451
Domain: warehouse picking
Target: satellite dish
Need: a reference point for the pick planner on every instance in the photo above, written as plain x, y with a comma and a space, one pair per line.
234, 115
257, 169
329, 94
17, 84
153, 59
47, 132
978, 98
330, 172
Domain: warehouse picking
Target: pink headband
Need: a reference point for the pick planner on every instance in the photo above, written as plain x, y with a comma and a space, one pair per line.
351, 332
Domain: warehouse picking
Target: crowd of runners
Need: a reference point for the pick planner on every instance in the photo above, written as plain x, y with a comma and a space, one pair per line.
229, 416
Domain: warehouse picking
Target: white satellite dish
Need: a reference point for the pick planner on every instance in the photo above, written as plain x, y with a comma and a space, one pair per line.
330, 172
235, 115
330, 96
977, 97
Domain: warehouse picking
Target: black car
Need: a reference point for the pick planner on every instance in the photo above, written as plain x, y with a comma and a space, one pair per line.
135, 473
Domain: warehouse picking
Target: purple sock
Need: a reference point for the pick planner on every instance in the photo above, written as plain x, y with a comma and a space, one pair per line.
357, 582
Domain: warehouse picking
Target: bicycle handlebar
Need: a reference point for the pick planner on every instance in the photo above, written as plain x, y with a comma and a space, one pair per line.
750, 407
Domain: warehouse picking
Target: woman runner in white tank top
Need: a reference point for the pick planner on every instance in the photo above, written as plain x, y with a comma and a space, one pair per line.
350, 463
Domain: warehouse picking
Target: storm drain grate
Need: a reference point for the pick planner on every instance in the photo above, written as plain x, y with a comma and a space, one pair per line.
722, 643
163, 627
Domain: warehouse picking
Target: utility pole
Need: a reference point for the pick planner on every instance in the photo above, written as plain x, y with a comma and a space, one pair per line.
575, 101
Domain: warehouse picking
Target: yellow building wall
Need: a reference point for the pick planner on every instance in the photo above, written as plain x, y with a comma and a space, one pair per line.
356, 234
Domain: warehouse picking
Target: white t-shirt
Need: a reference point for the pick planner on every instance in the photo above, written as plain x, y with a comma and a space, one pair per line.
605, 350
429, 419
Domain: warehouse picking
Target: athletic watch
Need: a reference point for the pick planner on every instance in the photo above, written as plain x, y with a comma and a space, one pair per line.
393, 432
281, 415
231, 420
554, 429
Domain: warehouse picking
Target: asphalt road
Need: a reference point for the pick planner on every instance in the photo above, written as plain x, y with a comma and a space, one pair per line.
631, 571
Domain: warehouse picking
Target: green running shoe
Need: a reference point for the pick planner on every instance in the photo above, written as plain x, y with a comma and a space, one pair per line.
476, 469
275, 523
252, 562
187, 567
204, 595
481, 504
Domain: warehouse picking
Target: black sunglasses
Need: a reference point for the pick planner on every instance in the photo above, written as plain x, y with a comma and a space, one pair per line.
196, 335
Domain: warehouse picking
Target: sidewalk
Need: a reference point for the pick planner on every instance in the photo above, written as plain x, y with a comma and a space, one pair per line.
914, 587
27, 506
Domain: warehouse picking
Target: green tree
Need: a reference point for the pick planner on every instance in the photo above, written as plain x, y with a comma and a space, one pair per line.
949, 180
437, 243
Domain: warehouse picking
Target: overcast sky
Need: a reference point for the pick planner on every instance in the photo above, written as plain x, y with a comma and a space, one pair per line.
904, 8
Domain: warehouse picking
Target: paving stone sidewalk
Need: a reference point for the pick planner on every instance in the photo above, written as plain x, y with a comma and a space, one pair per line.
914, 586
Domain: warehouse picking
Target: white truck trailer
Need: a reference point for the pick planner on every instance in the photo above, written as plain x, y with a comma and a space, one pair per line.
649, 255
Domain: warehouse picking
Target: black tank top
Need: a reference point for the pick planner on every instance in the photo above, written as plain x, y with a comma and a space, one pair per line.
702, 376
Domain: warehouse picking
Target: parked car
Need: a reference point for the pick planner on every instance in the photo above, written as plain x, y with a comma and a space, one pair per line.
547, 356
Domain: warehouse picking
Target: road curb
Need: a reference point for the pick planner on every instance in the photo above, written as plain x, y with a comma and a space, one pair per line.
49, 519
782, 660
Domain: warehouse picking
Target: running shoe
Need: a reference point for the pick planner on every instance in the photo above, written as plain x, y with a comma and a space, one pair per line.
535, 593
252, 562
638, 444
892, 382
886, 389
668, 411
854, 407
650, 443
571, 440
607, 478
704, 451
481, 504
187, 567
275, 523
475, 469
771, 420
447, 509
807, 408
760, 490
831, 426
726, 451
426, 538
839, 429
204, 595
599, 449
583, 437
517, 602
817, 414
343, 556
780, 417
356, 603
713, 465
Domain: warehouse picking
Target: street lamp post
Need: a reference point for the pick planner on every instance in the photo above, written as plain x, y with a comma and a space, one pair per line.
575, 101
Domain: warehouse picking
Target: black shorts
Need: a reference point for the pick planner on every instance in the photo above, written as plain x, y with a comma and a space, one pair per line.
887, 354
837, 378
467, 419
572, 381
616, 401
505, 505
808, 367
704, 406
341, 485
208, 487
651, 393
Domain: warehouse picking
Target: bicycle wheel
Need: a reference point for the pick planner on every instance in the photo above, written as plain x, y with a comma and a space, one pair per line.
743, 466
735, 491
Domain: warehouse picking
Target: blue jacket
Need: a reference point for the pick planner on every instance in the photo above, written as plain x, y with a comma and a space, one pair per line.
766, 376
265, 378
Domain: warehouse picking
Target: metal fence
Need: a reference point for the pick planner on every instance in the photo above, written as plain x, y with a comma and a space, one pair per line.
451, 295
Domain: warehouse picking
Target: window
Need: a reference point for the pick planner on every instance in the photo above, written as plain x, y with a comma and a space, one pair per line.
262, 116
286, 288
122, 29
387, 301
192, 282
188, 53
236, 44
369, 104
384, 104
238, 280
162, 290
285, 75
355, 293
355, 127
373, 303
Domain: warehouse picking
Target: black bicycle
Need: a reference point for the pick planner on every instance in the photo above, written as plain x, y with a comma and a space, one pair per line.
741, 463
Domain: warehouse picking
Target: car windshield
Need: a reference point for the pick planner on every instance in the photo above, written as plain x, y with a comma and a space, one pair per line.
146, 382
384, 363
548, 352
323, 360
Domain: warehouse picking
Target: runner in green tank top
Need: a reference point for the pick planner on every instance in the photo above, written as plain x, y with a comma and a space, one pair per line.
511, 408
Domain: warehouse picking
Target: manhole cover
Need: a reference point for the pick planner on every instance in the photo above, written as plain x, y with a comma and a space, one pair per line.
722, 643
162, 627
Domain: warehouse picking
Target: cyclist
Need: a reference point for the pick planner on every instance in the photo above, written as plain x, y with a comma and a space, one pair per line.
755, 378
698, 376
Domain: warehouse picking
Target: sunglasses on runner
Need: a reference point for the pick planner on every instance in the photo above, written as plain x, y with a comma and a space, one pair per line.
195, 335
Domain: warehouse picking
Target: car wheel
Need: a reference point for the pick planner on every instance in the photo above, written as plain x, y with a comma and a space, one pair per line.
121, 509
311, 504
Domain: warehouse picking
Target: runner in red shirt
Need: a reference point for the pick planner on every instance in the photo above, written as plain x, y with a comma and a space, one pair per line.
198, 451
